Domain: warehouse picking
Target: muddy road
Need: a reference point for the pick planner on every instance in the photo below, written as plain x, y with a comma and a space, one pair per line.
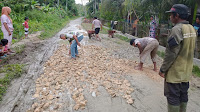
102, 79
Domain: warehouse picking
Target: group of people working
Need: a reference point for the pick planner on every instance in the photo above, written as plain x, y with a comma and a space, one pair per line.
178, 62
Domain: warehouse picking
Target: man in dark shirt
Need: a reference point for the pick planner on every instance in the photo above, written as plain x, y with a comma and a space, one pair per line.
178, 62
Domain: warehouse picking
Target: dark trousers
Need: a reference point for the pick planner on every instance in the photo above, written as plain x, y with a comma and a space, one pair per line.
176, 93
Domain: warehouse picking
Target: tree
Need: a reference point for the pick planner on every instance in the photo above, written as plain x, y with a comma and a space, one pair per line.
111, 9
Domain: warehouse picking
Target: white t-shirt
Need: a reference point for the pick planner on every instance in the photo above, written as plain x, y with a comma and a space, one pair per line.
5, 19
70, 35
97, 23
143, 41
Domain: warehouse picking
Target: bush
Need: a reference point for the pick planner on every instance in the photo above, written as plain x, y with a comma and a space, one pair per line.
49, 22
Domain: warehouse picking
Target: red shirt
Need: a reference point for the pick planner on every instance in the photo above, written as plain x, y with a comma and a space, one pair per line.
25, 24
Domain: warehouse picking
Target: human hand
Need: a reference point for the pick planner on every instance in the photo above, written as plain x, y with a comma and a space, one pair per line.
162, 74
9, 33
79, 44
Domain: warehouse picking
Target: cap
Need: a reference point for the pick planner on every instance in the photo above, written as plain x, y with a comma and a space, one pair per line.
179, 8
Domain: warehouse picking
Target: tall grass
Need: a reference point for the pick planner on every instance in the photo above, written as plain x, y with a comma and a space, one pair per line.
48, 22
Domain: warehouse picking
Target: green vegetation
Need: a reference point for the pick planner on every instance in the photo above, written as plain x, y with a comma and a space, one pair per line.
11, 71
161, 54
19, 49
136, 9
104, 31
122, 38
47, 16
196, 70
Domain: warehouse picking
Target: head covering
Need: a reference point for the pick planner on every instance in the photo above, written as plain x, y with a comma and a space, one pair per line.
6, 11
179, 8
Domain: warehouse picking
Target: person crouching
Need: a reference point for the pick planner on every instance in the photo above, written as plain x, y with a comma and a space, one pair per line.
146, 46
74, 39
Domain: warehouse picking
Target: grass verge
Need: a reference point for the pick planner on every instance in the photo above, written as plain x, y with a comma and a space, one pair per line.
19, 49
122, 38
53, 27
161, 54
196, 71
11, 72
48, 22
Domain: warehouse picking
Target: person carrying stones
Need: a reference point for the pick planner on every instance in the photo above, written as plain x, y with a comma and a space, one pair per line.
147, 46
74, 40
178, 62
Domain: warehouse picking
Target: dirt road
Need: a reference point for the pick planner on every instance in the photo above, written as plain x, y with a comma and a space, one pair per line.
101, 80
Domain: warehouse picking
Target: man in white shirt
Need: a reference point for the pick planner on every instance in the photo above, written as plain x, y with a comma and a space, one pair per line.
147, 46
74, 39
98, 26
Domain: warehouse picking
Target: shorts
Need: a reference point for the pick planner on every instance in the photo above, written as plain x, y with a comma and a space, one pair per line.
176, 93
97, 30
26, 30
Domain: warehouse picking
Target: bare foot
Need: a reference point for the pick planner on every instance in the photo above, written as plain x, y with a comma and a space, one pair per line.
73, 58
138, 68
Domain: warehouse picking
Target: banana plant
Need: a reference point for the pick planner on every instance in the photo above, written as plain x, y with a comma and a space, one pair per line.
32, 4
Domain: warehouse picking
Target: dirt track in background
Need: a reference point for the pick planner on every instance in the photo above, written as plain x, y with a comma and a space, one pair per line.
101, 80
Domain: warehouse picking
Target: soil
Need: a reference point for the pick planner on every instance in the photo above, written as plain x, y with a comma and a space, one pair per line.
102, 79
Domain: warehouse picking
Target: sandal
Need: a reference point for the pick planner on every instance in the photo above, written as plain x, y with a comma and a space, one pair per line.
2, 57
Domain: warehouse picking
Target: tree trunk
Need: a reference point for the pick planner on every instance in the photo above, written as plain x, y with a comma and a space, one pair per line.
66, 5
195, 13
95, 6
58, 3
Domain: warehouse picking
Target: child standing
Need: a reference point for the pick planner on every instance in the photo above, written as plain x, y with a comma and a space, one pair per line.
26, 27
74, 39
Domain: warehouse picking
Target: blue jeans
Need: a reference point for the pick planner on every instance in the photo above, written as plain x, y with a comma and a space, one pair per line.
74, 50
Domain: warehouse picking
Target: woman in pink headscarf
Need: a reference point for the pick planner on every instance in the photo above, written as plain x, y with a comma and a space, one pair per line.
7, 26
